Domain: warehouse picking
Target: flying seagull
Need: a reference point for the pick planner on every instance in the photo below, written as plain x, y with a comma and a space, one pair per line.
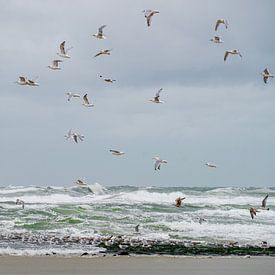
103, 52
156, 98
158, 162
20, 202
86, 102
266, 74
63, 52
100, 34
32, 82
117, 153
253, 211
263, 207
80, 182
211, 165
109, 80
234, 52
22, 80
216, 39
70, 95
148, 15
75, 136
221, 21
55, 65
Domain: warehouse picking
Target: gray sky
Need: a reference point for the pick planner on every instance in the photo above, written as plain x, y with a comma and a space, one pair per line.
214, 111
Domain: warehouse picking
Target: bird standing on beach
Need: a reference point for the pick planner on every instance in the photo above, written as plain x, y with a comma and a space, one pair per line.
86, 101
157, 96
103, 52
100, 34
233, 52
221, 21
266, 74
158, 162
20, 202
55, 65
148, 15
63, 52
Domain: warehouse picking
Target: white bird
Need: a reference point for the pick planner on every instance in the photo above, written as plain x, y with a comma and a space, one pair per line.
70, 95
32, 82
109, 80
80, 182
158, 162
55, 65
117, 153
234, 52
20, 202
216, 39
86, 102
100, 34
63, 52
69, 135
148, 15
221, 21
266, 74
22, 80
103, 52
157, 96
211, 165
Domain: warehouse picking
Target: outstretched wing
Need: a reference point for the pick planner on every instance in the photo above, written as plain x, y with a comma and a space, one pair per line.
266, 71
62, 47
264, 201
225, 55
100, 30
217, 24
114, 151
158, 93
86, 100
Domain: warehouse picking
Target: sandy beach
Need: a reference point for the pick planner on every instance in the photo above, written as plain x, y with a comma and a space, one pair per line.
125, 265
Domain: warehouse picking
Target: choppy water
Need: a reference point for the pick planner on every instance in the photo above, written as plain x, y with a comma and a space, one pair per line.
56, 216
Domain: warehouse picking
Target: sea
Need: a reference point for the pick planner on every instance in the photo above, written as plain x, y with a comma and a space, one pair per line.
97, 220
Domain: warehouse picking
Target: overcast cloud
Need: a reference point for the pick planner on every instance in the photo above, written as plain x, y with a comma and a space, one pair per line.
214, 111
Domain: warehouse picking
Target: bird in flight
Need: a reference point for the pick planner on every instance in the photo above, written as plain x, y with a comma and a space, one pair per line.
157, 96
70, 95
253, 211
80, 182
103, 52
266, 74
109, 80
100, 34
148, 15
211, 165
117, 153
86, 101
158, 162
20, 202
221, 21
63, 51
216, 39
55, 65
263, 207
234, 52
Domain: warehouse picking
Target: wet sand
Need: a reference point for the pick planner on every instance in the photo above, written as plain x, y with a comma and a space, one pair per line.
125, 265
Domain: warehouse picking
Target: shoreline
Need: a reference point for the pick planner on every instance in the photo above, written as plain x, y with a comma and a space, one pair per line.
125, 265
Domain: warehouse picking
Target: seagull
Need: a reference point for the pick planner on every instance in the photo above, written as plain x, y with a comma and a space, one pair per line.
80, 182
86, 101
77, 136
63, 52
266, 74
137, 228
32, 82
117, 153
156, 98
109, 80
263, 207
179, 201
253, 212
211, 165
99, 34
103, 52
148, 15
70, 95
159, 162
221, 21
216, 39
20, 202
22, 80
54, 65
231, 52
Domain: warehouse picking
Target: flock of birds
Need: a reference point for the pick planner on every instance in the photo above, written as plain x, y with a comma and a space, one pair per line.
76, 137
